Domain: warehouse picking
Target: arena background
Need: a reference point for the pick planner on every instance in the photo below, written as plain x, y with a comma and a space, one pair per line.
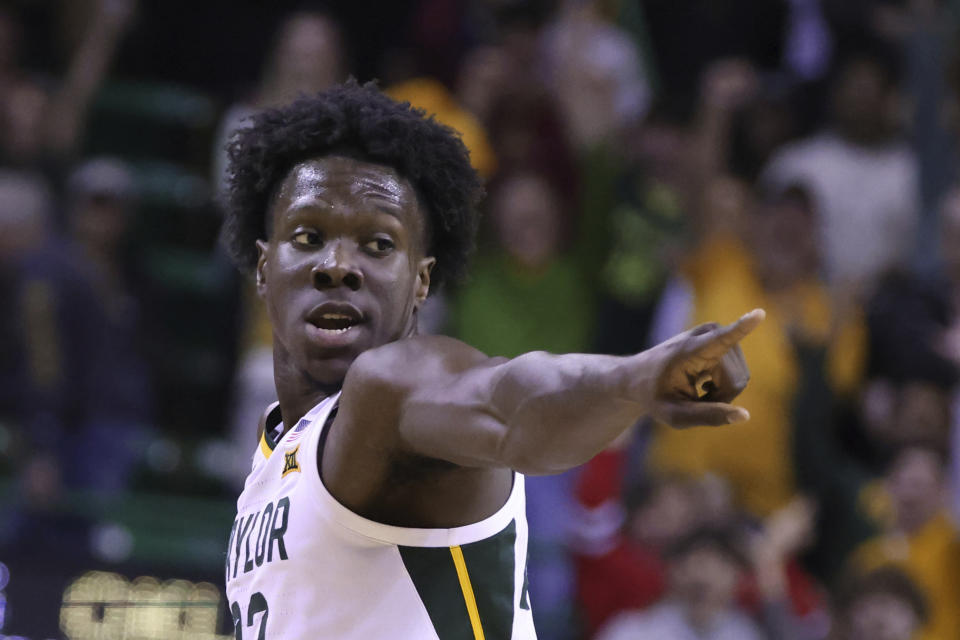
649, 164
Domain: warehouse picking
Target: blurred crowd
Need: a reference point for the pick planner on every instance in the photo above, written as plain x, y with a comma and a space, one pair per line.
649, 165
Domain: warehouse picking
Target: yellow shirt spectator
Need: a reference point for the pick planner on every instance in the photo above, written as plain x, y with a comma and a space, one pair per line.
756, 456
431, 96
931, 556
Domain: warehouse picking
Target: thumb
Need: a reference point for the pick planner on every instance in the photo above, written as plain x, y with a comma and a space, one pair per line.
690, 413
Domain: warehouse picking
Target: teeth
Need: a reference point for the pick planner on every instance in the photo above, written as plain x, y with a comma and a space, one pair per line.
344, 330
335, 316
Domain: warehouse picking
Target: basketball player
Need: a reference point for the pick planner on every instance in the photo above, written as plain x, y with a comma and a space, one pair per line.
386, 496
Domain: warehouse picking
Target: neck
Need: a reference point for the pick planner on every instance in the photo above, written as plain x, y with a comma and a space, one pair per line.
297, 391
701, 617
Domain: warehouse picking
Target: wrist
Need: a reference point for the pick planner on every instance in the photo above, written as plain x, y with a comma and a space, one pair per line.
639, 376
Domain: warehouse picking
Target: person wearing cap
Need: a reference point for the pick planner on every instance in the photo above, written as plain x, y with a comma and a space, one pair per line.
100, 199
83, 396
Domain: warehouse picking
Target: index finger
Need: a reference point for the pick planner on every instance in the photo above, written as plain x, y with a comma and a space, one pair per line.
714, 344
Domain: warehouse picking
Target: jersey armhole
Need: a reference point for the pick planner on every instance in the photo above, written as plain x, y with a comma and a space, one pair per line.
514, 508
322, 443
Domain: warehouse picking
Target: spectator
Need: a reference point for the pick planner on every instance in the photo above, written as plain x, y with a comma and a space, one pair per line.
101, 200
775, 269
84, 398
26, 207
23, 102
949, 257
596, 72
841, 447
307, 56
704, 569
861, 175
948, 272
647, 191
431, 96
518, 289
920, 538
789, 602
636, 204
620, 559
884, 604
513, 303
42, 124
913, 373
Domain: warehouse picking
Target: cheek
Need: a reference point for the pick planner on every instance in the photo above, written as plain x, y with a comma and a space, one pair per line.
284, 277
393, 284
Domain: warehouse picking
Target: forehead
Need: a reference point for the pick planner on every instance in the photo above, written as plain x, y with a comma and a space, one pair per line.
343, 182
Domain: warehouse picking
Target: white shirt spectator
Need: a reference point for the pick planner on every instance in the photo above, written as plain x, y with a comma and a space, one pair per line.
668, 621
867, 199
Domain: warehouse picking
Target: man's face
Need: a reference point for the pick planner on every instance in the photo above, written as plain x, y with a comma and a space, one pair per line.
308, 55
860, 102
670, 514
705, 580
882, 616
527, 217
915, 483
100, 221
784, 242
344, 267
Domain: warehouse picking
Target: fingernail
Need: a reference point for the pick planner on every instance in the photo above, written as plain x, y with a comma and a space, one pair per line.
741, 415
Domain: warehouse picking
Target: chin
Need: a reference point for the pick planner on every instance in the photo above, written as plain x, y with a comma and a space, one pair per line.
329, 371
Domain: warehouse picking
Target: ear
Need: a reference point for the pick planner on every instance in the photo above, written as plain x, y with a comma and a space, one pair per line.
261, 268
423, 279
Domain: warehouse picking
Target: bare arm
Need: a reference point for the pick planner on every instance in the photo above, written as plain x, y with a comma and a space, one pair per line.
88, 67
539, 413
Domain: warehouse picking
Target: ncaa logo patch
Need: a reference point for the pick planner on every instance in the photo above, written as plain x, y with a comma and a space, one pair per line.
290, 462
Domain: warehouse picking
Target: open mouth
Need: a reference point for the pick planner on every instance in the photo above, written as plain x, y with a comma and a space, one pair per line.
335, 322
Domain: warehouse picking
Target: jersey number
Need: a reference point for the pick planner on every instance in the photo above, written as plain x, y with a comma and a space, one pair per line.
258, 604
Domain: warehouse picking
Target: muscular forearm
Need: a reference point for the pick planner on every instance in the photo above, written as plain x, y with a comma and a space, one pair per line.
538, 413
541, 413
558, 411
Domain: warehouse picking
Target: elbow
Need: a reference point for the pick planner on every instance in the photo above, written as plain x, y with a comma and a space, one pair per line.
537, 459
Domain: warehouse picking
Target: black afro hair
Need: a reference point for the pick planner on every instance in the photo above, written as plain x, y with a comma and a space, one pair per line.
361, 122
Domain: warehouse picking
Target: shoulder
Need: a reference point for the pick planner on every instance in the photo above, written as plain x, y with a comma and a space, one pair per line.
404, 363
800, 156
366, 449
381, 381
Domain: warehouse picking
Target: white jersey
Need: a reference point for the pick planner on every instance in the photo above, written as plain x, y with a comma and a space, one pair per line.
301, 566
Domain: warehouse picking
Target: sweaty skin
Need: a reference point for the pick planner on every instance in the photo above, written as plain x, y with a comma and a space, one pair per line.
429, 428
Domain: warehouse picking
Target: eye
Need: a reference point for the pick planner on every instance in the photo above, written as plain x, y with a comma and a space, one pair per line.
307, 238
379, 246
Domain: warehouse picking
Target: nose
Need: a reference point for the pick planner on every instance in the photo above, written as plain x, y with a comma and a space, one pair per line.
336, 268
